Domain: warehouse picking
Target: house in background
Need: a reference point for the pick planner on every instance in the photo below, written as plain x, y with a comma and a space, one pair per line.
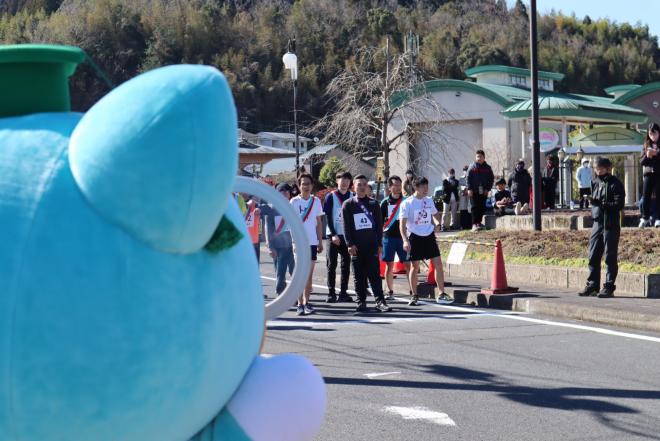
283, 140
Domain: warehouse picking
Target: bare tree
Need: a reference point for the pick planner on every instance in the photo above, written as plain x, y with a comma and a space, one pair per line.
376, 110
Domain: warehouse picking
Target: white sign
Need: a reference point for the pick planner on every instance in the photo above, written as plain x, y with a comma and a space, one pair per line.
457, 253
548, 139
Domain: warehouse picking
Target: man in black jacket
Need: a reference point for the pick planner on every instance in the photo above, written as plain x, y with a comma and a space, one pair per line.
450, 198
608, 198
480, 179
519, 184
549, 179
336, 246
363, 231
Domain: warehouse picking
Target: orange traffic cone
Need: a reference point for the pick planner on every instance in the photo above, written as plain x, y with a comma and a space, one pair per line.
383, 268
400, 268
430, 278
498, 283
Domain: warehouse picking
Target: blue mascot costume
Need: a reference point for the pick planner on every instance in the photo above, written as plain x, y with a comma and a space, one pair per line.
117, 321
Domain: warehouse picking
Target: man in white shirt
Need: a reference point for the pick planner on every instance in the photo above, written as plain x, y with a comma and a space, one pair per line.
583, 176
310, 211
417, 226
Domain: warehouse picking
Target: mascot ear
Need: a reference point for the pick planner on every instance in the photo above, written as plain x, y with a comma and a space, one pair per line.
158, 156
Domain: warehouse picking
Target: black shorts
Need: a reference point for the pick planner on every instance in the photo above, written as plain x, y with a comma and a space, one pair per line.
423, 247
314, 252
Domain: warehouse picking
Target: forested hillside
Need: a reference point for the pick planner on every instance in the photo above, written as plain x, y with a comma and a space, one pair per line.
246, 39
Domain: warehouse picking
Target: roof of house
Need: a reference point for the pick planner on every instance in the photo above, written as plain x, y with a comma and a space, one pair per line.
282, 135
637, 92
318, 150
621, 88
497, 68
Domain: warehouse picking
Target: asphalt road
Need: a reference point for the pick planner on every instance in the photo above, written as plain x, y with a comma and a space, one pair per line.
459, 373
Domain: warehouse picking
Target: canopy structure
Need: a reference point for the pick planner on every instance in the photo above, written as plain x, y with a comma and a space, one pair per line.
574, 108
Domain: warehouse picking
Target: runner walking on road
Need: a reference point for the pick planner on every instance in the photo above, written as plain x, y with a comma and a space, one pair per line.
392, 241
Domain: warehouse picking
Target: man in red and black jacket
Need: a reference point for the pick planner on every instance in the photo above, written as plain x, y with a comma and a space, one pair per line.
363, 231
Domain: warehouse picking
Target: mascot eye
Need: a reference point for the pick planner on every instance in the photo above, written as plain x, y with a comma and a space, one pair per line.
225, 236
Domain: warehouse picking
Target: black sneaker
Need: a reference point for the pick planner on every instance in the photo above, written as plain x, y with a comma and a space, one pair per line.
344, 298
382, 306
300, 310
588, 291
413, 301
309, 309
607, 291
331, 298
361, 307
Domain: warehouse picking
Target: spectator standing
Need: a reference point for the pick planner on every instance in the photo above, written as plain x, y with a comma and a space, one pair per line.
608, 198
650, 162
464, 201
252, 221
479, 183
408, 188
450, 197
549, 179
584, 175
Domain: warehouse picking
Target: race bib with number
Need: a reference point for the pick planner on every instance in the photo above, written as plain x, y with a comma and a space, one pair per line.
249, 220
390, 210
422, 217
362, 221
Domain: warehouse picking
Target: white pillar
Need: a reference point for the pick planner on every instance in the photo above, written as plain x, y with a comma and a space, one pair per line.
629, 179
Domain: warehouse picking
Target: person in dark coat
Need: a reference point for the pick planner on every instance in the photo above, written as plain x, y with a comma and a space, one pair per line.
520, 183
450, 198
607, 200
480, 180
650, 162
549, 179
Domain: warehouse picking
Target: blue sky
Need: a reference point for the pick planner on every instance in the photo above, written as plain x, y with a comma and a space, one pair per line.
631, 11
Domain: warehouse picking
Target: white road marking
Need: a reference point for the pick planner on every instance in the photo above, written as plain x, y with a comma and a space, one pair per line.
380, 374
421, 413
513, 315
383, 319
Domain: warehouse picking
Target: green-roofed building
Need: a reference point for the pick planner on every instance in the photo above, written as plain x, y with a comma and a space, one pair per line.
491, 109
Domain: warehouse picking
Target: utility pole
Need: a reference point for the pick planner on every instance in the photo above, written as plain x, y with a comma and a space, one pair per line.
536, 147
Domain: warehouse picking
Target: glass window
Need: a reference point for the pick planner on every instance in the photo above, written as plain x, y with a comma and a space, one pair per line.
518, 80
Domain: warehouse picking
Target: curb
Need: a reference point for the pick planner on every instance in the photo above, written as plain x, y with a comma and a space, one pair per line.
594, 314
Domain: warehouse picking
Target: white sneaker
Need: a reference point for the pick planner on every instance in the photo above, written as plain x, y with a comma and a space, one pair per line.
475, 227
517, 209
657, 223
643, 223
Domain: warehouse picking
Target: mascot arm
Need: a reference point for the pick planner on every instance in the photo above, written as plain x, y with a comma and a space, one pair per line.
282, 398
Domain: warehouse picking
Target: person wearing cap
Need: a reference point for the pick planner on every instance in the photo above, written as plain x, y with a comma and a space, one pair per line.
279, 243
607, 200
520, 182
336, 245
583, 175
650, 162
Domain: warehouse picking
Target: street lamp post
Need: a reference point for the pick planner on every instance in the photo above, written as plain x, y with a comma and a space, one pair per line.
291, 63
562, 177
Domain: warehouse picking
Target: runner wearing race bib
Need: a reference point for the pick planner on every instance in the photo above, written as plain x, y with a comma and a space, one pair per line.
336, 244
363, 230
278, 240
310, 211
418, 231
252, 221
392, 241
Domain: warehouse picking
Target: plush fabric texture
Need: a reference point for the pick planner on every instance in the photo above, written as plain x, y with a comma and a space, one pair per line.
115, 323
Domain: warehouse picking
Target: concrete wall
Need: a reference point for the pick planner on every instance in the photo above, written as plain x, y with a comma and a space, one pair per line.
501, 139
